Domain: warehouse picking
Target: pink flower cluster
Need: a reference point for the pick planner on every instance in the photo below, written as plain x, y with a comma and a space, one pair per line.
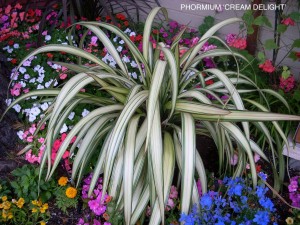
95, 204
287, 84
16, 90
56, 145
173, 197
293, 189
267, 66
233, 41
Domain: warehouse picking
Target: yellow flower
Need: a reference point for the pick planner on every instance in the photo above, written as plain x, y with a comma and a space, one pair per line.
42, 223
4, 214
289, 220
4, 198
63, 181
34, 202
10, 215
34, 210
20, 202
45, 206
71, 192
42, 210
6, 205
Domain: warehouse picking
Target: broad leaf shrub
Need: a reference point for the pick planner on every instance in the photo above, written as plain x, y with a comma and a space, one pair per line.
234, 203
140, 128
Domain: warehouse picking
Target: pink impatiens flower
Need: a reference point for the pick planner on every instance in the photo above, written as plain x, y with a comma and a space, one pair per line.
16, 90
267, 66
288, 21
287, 84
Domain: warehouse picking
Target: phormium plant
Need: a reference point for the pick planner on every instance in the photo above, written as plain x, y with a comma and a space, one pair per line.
148, 125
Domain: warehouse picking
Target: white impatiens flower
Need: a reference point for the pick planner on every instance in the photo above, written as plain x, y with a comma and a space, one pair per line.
47, 37
134, 75
26, 76
71, 116
121, 42
32, 80
125, 59
64, 129
23, 84
40, 87
44, 106
119, 49
31, 117
17, 107
35, 111
40, 79
132, 33
27, 63
8, 101
115, 39
47, 84
22, 70
16, 45
127, 31
20, 134
133, 64
85, 113
34, 97
55, 66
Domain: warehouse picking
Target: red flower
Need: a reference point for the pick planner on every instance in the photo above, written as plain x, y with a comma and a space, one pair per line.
55, 6
11, 42
139, 37
258, 168
98, 18
49, 55
63, 53
30, 13
126, 23
155, 31
107, 18
120, 16
209, 82
298, 55
288, 21
13, 61
132, 38
267, 66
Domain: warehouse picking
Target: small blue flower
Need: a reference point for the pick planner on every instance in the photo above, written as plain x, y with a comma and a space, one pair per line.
188, 219
267, 204
206, 201
261, 218
263, 176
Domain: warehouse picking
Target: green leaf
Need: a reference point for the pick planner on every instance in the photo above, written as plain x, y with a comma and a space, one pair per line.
261, 56
295, 16
296, 95
248, 17
293, 56
281, 28
296, 43
270, 44
262, 20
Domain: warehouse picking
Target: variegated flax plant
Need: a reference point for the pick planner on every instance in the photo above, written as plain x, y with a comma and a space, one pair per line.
147, 128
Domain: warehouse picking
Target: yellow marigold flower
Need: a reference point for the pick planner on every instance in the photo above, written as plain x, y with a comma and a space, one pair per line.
71, 192
6, 205
34, 210
45, 206
63, 181
34, 202
20, 202
289, 220
4, 198
10, 215
42, 223
42, 210
4, 214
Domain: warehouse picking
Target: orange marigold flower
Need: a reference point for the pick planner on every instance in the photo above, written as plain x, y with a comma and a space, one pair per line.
71, 192
42, 223
20, 202
63, 181
4, 198
106, 216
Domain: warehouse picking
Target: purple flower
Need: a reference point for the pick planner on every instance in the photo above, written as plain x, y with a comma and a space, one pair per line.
173, 24
293, 186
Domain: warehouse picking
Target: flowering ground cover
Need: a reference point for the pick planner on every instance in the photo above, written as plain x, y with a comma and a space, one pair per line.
229, 201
